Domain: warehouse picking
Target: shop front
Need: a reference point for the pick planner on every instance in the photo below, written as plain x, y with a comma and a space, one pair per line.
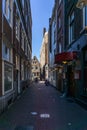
68, 75
84, 71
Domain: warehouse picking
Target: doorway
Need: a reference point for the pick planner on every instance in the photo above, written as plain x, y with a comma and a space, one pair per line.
18, 81
70, 81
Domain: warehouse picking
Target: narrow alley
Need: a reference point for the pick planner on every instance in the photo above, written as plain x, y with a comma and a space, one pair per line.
42, 108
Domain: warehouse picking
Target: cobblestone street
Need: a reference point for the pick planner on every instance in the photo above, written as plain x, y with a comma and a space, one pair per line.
40, 107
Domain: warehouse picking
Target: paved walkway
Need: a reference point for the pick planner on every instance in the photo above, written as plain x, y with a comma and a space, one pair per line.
41, 108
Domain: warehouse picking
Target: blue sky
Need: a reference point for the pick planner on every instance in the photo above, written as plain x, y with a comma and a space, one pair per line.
41, 12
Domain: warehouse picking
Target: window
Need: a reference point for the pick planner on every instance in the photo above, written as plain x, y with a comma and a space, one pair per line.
60, 48
25, 73
6, 7
7, 53
60, 1
27, 49
84, 17
8, 77
22, 70
22, 40
57, 48
34, 58
17, 27
17, 62
59, 23
6, 50
22, 3
71, 27
54, 52
28, 52
25, 44
8, 10
36, 67
34, 74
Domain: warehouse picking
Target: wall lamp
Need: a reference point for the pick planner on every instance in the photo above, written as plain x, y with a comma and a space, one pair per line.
81, 4
64, 62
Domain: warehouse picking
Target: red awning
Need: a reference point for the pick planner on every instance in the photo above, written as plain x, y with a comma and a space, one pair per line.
65, 56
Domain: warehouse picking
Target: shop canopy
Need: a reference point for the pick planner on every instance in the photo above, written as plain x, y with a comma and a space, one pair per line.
65, 56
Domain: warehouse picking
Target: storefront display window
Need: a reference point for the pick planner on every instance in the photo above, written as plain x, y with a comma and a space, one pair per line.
7, 77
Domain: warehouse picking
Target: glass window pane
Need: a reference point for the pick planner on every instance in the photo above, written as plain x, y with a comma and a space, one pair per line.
7, 77
86, 15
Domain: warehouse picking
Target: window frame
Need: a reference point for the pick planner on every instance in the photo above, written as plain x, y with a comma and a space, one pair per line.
17, 28
6, 52
71, 27
11, 66
8, 11
84, 12
60, 47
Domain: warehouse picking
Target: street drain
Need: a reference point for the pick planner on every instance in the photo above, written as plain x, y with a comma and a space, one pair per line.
34, 113
44, 115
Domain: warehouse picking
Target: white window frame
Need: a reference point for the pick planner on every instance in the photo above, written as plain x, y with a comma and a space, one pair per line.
9, 53
3, 82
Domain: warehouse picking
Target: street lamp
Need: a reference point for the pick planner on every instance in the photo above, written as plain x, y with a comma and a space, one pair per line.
81, 3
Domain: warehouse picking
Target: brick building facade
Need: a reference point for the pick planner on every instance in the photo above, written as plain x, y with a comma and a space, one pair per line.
70, 60
44, 55
35, 69
15, 49
76, 41
56, 43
